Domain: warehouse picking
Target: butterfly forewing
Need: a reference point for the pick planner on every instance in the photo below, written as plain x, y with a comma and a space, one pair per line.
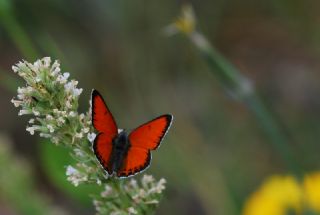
150, 134
102, 118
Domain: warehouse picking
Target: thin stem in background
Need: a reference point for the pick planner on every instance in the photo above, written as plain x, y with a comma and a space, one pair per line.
237, 85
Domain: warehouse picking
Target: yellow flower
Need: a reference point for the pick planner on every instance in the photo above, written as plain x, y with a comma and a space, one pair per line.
185, 23
277, 195
311, 186
280, 194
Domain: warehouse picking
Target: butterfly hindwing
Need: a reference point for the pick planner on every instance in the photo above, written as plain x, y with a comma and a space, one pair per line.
137, 159
102, 147
104, 123
143, 139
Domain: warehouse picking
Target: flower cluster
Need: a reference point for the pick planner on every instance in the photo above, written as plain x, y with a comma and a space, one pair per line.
52, 100
147, 192
282, 195
48, 87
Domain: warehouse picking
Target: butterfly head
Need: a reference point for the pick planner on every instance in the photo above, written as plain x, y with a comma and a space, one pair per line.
121, 141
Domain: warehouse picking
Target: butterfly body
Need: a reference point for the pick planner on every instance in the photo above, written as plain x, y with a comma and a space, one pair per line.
119, 151
124, 153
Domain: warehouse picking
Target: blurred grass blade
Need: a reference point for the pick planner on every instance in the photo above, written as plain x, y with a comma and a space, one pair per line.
15, 31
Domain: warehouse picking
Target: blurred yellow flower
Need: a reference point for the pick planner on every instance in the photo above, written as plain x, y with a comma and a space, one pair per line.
280, 195
277, 195
185, 23
311, 186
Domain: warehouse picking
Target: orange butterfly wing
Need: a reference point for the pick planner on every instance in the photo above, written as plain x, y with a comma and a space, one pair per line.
102, 118
102, 148
137, 160
103, 121
143, 139
150, 134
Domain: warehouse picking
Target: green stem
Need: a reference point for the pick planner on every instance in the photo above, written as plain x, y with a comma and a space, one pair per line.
273, 129
242, 89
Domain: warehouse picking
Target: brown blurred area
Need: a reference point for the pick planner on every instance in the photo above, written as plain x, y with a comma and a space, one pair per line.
215, 154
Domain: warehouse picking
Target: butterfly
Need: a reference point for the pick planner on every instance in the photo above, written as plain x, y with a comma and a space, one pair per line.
123, 153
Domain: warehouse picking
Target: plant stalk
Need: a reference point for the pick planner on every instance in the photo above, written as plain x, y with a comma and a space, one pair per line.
242, 90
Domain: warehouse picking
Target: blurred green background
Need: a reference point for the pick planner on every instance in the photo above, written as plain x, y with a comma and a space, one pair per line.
215, 154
